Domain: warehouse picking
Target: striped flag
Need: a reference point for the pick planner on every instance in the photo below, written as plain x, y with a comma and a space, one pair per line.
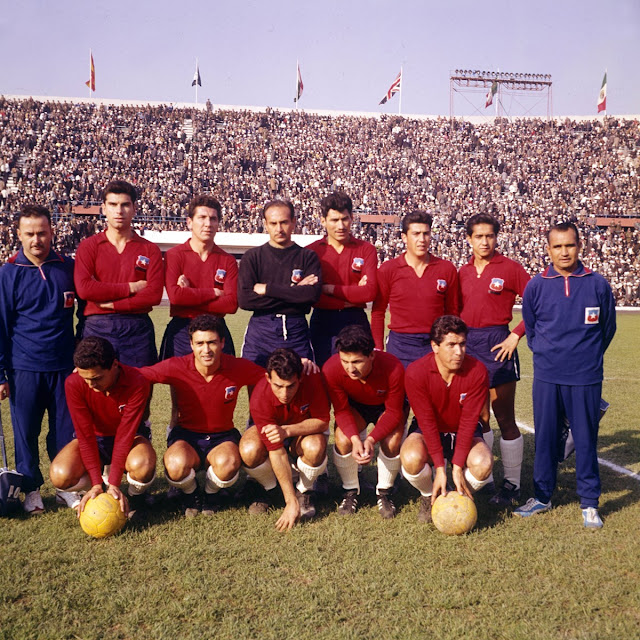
492, 92
602, 97
299, 85
196, 77
91, 83
393, 89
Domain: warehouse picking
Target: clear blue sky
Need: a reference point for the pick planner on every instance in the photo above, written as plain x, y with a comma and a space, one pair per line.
349, 50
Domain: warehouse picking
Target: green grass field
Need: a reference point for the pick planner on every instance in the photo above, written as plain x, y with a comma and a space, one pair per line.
234, 576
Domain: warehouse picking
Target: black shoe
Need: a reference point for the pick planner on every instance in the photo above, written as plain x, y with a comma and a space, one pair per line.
385, 504
139, 505
211, 504
508, 495
190, 504
321, 485
307, 508
349, 503
261, 502
424, 512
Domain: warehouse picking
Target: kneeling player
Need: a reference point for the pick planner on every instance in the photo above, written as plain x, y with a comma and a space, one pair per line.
107, 400
206, 383
291, 414
366, 387
447, 391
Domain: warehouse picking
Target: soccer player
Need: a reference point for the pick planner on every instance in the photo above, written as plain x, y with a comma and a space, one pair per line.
278, 281
199, 278
447, 390
417, 287
291, 414
36, 348
366, 387
349, 276
120, 275
570, 319
206, 383
106, 400
489, 284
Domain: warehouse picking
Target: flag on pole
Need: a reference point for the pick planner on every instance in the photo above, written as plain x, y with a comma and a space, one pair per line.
299, 85
196, 77
602, 97
91, 83
393, 89
492, 92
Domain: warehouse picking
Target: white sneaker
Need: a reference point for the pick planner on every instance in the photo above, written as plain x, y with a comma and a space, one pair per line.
33, 504
70, 498
591, 518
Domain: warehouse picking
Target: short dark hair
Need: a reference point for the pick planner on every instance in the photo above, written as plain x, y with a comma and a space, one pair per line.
34, 211
286, 363
207, 322
338, 201
120, 186
284, 204
93, 352
482, 218
204, 200
447, 324
564, 226
355, 338
416, 217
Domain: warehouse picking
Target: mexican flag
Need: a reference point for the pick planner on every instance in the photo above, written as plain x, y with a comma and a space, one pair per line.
602, 97
492, 92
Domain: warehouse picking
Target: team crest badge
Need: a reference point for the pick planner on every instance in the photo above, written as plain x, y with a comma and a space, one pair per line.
496, 286
304, 408
357, 265
380, 392
296, 276
592, 315
121, 408
142, 263
220, 276
462, 397
69, 297
441, 286
229, 392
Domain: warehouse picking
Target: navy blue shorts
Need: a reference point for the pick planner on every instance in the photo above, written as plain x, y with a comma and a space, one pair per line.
202, 443
176, 340
267, 333
370, 412
132, 336
105, 443
408, 347
325, 325
479, 344
448, 440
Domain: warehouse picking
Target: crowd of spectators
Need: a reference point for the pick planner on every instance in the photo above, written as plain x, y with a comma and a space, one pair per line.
528, 173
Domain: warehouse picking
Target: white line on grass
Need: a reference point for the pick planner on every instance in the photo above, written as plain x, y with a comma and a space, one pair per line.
602, 461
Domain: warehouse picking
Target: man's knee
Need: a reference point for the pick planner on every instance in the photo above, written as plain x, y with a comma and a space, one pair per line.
225, 462
141, 463
252, 451
413, 456
480, 462
314, 449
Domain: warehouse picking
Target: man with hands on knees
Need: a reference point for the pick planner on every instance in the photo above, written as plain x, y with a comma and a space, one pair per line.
447, 390
106, 400
291, 411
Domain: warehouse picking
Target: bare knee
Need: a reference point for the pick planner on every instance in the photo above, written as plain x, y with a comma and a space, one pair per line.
141, 463
413, 456
314, 449
225, 464
391, 444
480, 462
342, 442
252, 451
176, 465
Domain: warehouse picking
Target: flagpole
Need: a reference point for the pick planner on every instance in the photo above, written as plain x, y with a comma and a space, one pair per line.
90, 76
401, 87
605, 109
197, 79
296, 90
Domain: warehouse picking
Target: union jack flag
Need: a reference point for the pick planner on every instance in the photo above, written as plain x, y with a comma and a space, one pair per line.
393, 89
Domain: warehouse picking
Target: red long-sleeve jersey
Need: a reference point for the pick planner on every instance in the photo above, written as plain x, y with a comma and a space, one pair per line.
103, 275
414, 302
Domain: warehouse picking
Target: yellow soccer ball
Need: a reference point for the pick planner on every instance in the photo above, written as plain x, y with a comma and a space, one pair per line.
102, 516
454, 514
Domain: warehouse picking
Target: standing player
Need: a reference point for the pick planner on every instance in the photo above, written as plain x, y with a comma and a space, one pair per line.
36, 348
279, 282
349, 276
291, 413
120, 275
366, 387
206, 383
447, 391
570, 318
106, 400
199, 278
489, 284
417, 287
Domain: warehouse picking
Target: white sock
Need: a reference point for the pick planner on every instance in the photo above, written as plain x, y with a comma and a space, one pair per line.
422, 481
473, 482
138, 488
308, 474
186, 485
263, 474
512, 453
347, 468
213, 484
387, 470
